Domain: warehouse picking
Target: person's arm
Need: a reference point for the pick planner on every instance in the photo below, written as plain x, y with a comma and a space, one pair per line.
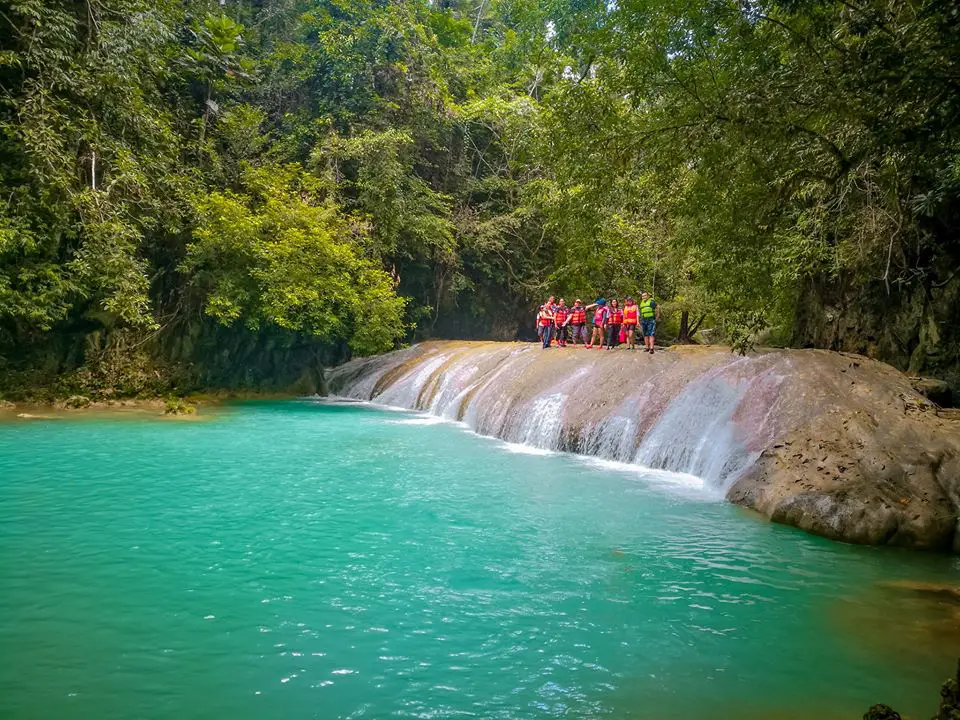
591, 305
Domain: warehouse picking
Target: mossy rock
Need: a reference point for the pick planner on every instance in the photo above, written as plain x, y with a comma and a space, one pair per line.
179, 406
882, 712
77, 401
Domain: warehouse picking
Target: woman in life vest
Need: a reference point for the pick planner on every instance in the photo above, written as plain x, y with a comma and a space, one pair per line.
614, 324
550, 305
600, 316
649, 314
545, 318
631, 316
578, 323
561, 317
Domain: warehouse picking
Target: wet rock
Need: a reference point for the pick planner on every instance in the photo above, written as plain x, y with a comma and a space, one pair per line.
950, 699
179, 406
76, 402
940, 592
784, 432
882, 712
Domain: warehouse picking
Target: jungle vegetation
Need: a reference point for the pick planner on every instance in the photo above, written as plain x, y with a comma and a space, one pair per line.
211, 192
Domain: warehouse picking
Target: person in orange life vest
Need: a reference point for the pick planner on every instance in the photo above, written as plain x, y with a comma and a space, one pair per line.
578, 322
614, 324
649, 314
600, 316
631, 317
545, 317
561, 318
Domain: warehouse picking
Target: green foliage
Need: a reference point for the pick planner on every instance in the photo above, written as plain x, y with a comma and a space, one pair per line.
178, 406
354, 173
279, 253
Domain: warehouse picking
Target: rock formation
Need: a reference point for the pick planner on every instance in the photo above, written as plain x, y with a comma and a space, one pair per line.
833, 443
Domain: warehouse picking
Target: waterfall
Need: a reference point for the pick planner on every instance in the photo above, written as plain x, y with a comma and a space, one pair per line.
697, 434
693, 417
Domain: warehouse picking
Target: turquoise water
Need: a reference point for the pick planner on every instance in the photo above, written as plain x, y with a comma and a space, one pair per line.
297, 560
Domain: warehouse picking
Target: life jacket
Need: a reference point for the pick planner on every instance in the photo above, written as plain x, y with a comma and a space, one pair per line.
600, 316
630, 315
647, 311
544, 320
616, 316
560, 315
578, 316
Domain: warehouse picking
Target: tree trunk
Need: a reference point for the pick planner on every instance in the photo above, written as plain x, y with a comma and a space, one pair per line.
684, 335
687, 331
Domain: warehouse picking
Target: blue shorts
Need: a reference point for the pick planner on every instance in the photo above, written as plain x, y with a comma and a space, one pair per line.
649, 326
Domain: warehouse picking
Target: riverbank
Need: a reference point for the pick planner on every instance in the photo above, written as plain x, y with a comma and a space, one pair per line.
198, 406
833, 443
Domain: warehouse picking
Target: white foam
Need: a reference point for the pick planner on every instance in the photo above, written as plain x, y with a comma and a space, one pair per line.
682, 482
521, 449
418, 421
664, 476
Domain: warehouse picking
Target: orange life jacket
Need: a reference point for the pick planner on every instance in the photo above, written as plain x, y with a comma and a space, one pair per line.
630, 315
578, 316
616, 316
560, 315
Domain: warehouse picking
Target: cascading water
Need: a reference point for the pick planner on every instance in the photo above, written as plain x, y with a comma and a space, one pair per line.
604, 405
697, 434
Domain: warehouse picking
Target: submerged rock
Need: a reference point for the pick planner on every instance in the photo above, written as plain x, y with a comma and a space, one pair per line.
836, 444
882, 712
950, 698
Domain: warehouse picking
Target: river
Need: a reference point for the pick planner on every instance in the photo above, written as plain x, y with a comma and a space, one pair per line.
339, 560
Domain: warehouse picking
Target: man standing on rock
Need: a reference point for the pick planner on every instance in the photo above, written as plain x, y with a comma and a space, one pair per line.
561, 316
545, 318
578, 323
649, 314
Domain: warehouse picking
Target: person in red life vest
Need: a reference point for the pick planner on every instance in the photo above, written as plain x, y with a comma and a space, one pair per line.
600, 316
549, 304
614, 324
649, 314
631, 316
545, 318
578, 323
561, 317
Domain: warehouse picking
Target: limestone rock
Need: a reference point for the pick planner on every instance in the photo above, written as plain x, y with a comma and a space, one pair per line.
833, 443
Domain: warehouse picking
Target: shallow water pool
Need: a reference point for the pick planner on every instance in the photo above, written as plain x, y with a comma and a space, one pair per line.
308, 559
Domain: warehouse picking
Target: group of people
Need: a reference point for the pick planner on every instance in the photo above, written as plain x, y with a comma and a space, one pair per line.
613, 325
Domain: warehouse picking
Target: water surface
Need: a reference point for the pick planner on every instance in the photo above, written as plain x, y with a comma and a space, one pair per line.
304, 560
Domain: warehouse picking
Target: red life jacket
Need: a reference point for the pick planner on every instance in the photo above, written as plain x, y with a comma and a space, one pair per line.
616, 316
544, 321
630, 315
578, 316
600, 316
560, 315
